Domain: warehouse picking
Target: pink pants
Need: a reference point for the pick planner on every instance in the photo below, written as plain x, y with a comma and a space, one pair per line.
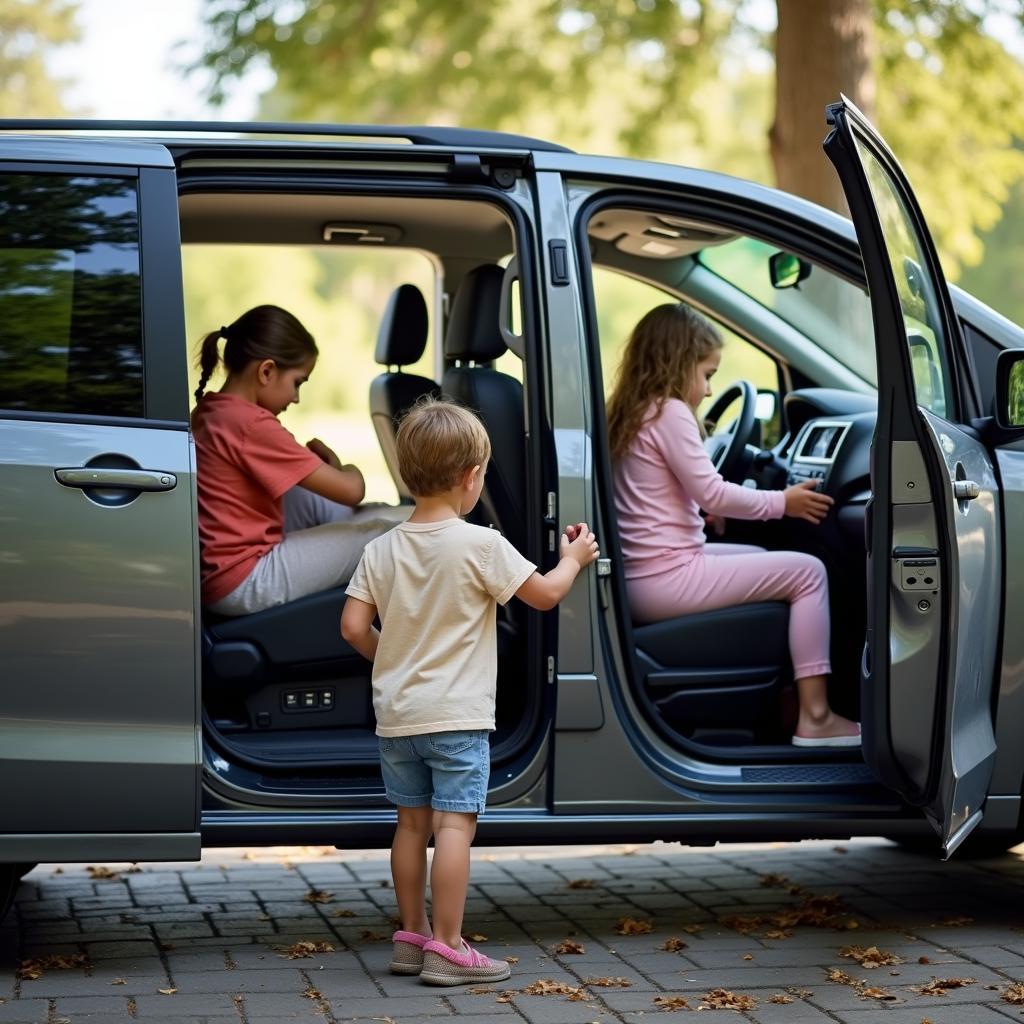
730, 574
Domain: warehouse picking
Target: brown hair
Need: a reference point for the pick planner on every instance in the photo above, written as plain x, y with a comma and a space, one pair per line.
437, 442
659, 363
264, 332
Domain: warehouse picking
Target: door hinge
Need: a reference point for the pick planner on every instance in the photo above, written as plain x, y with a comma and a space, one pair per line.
551, 669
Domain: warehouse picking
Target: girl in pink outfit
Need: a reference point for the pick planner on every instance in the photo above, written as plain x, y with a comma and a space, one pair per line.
663, 479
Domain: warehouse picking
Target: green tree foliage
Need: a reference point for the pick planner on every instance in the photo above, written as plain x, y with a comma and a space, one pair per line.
682, 80
27, 29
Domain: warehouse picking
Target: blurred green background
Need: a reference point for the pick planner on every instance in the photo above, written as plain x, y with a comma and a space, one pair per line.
738, 86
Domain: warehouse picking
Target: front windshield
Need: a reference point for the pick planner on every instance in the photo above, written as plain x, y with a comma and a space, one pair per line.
833, 313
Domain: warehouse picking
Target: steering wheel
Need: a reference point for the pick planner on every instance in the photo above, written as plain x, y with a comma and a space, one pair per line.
726, 450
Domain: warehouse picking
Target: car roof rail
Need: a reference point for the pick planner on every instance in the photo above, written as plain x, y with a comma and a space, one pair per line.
468, 138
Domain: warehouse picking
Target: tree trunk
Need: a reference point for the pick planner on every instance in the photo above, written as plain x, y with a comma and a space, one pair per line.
822, 48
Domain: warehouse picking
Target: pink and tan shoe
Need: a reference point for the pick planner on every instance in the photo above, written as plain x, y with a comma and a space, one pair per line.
407, 957
443, 965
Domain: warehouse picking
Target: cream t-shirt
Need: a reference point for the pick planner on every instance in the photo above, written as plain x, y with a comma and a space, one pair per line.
436, 587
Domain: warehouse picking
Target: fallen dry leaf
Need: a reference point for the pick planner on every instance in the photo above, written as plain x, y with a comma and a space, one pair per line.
723, 999
476, 937
549, 987
839, 849
802, 993
507, 996
58, 871
1013, 993
608, 982
582, 883
304, 949
956, 922
369, 935
167, 991
673, 945
312, 993
633, 926
343, 912
780, 997
318, 896
923, 960
30, 970
119, 981
693, 929
863, 989
940, 986
511, 959
481, 990
567, 946
777, 933
748, 956
814, 910
871, 957
671, 1002
101, 872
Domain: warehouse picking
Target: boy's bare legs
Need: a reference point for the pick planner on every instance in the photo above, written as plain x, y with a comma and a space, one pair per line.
409, 867
816, 717
449, 874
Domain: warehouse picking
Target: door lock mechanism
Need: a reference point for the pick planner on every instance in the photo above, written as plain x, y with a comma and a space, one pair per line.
918, 573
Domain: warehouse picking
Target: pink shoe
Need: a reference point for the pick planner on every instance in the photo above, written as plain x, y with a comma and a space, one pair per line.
408, 952
443, 965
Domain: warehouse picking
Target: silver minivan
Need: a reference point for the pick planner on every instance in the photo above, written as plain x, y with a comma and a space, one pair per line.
134, 728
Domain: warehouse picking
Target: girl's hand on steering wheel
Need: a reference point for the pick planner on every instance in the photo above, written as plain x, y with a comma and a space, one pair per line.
805, 501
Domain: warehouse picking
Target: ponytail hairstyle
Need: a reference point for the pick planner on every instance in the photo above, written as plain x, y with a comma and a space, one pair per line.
264, 332
659, 363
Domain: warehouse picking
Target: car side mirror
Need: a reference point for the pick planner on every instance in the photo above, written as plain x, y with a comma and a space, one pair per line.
1010, 389
787, 270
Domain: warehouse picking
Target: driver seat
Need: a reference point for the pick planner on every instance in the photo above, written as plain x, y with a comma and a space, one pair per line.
712, 676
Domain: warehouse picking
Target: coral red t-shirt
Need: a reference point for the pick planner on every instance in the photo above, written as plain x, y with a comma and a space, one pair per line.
245, 461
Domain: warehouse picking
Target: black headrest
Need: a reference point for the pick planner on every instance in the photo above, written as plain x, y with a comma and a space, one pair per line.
403, 331
473, 328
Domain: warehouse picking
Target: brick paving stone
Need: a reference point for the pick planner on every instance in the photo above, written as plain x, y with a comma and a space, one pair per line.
160, 1007
25, 1011
239, 912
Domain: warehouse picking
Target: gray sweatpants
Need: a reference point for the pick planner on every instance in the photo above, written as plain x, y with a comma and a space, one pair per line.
322, 544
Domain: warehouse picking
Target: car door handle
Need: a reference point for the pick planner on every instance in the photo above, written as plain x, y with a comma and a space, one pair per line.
126, 479
965, 490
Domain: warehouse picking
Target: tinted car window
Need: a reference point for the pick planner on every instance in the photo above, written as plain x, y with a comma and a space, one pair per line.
70, 300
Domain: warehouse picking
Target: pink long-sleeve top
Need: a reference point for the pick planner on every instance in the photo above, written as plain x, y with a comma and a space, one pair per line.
661, 485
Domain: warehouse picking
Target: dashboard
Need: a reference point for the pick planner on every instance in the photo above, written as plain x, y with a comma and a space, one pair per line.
827, 439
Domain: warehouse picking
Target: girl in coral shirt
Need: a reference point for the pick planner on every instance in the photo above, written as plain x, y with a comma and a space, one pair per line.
277, 519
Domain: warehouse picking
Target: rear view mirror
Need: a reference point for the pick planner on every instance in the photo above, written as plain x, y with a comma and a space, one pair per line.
1010, 388
787, 270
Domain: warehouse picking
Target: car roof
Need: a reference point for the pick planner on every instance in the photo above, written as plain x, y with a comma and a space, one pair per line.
417, 135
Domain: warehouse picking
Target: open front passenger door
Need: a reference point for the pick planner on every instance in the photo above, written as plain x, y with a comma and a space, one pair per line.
933, 532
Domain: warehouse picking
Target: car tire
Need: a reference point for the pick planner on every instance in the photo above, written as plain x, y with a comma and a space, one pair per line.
9, 882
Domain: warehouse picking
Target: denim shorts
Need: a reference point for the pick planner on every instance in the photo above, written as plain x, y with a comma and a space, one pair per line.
444, 770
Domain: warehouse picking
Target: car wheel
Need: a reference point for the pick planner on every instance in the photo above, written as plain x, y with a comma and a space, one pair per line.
9, 880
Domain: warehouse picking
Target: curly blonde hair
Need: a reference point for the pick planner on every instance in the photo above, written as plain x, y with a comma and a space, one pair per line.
658, 363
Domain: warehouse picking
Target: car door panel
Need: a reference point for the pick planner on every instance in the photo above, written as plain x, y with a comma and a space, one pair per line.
99, 737
928, 677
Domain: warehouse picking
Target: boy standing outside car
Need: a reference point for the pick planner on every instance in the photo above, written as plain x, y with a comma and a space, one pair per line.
436, 581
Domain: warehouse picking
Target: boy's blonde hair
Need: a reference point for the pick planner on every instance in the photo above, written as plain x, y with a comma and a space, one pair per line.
437, 442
